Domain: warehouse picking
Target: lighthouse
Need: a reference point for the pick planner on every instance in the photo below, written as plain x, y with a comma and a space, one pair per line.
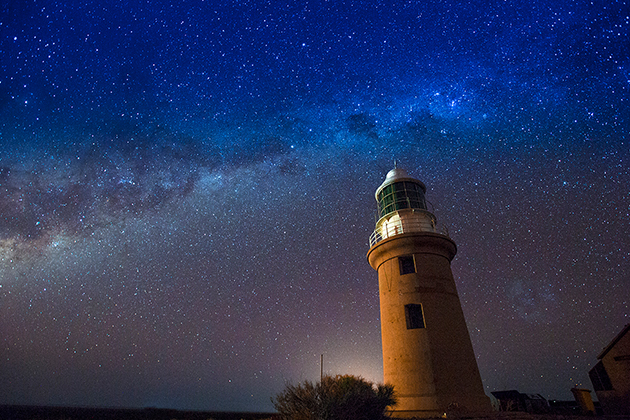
427, 353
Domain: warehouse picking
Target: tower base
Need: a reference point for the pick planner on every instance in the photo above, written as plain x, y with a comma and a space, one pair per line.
428, 407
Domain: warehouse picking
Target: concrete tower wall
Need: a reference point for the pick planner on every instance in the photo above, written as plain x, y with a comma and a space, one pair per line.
433, 368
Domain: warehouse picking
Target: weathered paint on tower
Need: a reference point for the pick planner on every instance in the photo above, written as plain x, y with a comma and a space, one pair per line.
427, 352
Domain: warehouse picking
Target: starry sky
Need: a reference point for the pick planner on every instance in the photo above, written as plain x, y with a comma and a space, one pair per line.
187, 189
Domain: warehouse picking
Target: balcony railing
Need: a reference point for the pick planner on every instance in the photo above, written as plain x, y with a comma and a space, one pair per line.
398, 227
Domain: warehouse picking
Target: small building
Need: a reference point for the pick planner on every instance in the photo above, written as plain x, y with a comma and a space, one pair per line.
611, 375
513, 400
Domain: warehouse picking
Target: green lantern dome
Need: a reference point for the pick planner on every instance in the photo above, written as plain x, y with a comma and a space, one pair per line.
399, 191
402, 207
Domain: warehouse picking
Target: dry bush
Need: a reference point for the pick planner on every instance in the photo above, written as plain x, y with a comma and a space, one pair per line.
341, 397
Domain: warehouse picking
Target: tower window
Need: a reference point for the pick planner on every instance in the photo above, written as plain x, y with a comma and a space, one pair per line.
407, 264
414, 316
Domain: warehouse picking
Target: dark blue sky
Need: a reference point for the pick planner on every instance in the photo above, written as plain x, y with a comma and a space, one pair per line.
186, 189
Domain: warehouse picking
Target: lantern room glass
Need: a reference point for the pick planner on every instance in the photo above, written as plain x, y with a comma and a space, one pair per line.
400, 195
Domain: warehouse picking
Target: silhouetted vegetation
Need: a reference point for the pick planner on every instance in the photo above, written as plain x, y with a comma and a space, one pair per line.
341, 397
26, 412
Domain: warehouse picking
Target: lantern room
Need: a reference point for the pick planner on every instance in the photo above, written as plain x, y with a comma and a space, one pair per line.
402, 207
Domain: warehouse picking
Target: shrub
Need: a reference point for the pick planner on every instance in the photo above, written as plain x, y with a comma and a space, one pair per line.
341, 397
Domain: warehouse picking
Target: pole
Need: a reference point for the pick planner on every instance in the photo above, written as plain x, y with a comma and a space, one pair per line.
321, 368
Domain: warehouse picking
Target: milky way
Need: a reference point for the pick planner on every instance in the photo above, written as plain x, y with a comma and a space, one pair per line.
187, 190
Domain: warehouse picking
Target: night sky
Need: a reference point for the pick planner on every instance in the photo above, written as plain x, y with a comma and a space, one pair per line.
187, 189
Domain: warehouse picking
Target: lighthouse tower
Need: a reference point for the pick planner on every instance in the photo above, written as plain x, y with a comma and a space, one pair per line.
427, 353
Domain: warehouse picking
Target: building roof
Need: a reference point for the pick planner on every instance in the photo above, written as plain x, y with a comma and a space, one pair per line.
614, 341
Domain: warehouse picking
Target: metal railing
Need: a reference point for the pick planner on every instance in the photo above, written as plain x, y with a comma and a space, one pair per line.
387, 230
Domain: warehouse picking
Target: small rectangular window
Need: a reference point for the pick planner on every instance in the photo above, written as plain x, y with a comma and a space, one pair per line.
407, 264
414, 316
